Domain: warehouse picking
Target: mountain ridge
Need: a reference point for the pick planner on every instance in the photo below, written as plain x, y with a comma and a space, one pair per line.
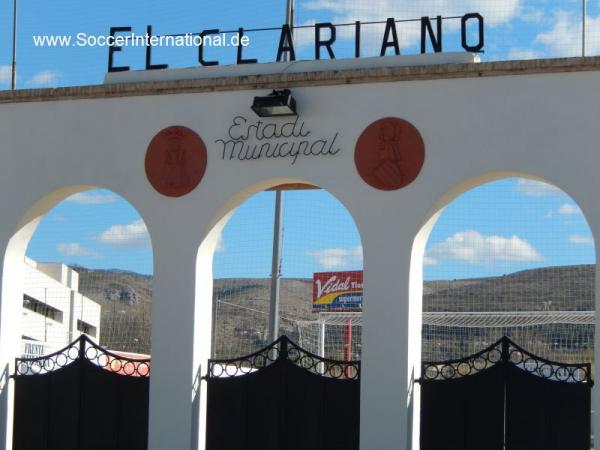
126, 299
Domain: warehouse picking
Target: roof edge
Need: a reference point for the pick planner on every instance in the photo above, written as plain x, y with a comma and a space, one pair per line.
301, 79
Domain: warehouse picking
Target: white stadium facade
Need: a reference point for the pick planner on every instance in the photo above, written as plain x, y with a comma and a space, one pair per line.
478, 122
54, 312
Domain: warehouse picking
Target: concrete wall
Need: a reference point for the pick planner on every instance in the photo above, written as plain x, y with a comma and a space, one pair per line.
47, 290
61, 273
88, 311
48, 283
476, 129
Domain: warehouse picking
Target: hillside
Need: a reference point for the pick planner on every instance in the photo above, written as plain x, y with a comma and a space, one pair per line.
568, 288
126, 300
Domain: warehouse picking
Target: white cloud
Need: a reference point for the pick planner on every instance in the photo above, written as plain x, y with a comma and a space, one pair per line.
564, 36
534, 188
521, 53
338, 258
305, 36
87, 198
580, 239
75, 249
409, 9
134, 234
220, 247
429, 261
347, 11
45, 78
569, 209
5, 74
473, 247
532, 14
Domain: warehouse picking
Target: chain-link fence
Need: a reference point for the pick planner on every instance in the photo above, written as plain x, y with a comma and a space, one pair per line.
63, 43
319, 235
88, 271
514, 257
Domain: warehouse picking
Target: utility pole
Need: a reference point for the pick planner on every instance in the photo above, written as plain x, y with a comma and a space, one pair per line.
13, 77
583, 23
45, 315
276, 268
278, 225
289, 15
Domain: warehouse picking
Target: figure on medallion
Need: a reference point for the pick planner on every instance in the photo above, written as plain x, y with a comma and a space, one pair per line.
390, 168
174, 169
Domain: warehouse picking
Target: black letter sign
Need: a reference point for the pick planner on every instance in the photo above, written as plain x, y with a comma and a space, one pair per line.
426, 28
286, 44
116, 48
240, 59
324, 43
201, 48
390, 26
357, 39
463, 31
149, 65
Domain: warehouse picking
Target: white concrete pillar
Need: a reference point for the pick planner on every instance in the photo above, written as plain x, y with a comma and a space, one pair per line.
389, 355
203, 320
173, 371
591, 210
11, 287
596, 365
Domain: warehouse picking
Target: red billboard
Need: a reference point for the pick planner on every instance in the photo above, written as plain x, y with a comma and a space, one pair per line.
338, 291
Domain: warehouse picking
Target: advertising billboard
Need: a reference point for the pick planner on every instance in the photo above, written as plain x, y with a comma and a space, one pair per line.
338, 291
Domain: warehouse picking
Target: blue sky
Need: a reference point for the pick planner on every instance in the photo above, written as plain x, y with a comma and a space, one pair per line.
514, 29
96, 229
506, 226
318, 235
497, 228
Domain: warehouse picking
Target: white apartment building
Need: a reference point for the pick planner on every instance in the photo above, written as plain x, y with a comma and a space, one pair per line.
54, 312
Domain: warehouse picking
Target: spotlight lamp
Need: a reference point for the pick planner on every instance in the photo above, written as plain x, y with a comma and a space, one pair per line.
277, 103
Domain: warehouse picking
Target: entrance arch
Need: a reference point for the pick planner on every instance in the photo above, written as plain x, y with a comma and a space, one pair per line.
320, 237
51, 300
502, 236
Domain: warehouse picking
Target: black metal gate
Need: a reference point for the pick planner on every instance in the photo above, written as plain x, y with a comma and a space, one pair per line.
283, 397
505, 398
81, 398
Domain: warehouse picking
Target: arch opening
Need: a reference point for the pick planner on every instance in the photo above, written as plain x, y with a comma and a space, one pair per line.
309, 291
87, 268
318, 244
79, 265
515, 257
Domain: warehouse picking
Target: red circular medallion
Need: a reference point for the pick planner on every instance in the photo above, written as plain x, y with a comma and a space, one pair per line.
389, 154
175, 161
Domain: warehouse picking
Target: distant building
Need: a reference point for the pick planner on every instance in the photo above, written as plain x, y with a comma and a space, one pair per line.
54, 312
